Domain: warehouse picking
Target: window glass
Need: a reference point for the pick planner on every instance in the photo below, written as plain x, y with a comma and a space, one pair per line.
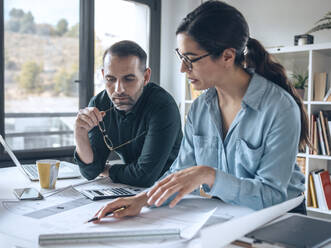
118, 20
41, 65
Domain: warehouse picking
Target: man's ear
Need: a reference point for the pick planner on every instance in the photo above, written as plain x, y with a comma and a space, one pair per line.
103, 72
147, 75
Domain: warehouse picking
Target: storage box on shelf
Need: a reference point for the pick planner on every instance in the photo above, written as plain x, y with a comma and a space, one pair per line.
316, 60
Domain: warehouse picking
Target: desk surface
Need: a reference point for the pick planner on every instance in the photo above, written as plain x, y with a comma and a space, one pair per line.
11, 178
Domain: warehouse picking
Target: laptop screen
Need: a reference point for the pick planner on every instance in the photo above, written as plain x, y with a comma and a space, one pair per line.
10, 153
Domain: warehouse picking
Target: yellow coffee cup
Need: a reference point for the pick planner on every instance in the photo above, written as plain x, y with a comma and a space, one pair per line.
48, 170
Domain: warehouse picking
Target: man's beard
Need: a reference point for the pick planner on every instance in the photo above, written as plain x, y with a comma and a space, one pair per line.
125, 102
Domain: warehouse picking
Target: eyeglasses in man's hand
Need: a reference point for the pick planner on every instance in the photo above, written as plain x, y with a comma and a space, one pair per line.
106, 137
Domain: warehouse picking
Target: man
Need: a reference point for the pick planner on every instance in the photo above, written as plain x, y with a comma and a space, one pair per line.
139, 120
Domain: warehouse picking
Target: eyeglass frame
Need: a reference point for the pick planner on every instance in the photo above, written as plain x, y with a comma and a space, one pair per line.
107, 139
187, 61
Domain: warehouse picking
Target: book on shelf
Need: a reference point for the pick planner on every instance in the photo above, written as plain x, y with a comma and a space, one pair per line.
311, 192
328, 132
327, 97
318, 189
311, 134
326, 188
319, 86
324, 133
315, 141
320, 135
327, 115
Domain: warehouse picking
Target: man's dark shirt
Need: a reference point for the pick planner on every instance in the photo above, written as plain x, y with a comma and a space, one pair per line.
150, 155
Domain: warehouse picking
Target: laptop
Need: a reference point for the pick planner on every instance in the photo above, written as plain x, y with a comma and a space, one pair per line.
66, 171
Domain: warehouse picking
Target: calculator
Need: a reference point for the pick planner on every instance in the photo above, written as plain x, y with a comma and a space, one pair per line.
110, 193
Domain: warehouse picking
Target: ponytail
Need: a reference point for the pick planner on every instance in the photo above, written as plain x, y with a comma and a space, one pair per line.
257, 57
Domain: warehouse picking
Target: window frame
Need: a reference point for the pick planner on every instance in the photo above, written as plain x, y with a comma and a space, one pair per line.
86, 71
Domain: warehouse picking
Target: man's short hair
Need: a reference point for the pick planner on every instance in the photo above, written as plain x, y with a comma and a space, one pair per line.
127, 48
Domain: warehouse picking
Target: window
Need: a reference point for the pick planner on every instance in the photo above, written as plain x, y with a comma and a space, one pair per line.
41, 65
131, 25
51, 56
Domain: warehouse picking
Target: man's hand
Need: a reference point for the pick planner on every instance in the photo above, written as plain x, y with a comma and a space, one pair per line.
133, 206
87, 119
182, 182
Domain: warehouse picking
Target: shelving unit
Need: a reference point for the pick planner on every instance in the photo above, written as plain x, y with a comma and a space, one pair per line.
311, 58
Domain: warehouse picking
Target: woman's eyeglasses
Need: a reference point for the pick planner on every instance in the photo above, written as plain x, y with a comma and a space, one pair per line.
107, 139
187, 61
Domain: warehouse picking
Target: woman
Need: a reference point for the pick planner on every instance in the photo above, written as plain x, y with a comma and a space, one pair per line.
242, 135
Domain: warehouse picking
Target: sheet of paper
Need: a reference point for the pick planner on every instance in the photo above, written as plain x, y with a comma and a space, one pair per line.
65, 211
189, 216
24, 221
223, 234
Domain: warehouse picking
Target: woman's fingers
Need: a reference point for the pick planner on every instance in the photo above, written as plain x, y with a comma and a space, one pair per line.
121, 207
129, 211
118, 203
160, 191
167, 193
182, 183
158, 185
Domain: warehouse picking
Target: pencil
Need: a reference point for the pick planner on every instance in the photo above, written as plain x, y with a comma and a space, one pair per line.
107, 214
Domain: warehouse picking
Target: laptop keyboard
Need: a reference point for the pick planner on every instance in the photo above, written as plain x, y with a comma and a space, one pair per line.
31, 169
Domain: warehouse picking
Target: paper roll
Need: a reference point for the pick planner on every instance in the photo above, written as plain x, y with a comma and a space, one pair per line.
223, 234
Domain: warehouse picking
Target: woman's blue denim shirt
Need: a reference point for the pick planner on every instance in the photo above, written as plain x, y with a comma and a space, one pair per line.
256, 162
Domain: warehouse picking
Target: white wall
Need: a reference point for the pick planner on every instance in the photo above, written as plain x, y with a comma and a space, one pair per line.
275, 23
172, 11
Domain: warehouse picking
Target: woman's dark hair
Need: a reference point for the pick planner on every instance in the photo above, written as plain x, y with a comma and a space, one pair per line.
216, 26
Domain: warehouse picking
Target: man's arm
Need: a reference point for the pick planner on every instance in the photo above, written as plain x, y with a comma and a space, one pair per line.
91, 153
164, 127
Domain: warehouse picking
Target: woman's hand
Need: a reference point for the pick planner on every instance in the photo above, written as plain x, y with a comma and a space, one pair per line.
182, 182
133, 206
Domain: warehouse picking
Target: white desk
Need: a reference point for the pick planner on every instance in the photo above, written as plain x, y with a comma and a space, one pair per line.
11, 178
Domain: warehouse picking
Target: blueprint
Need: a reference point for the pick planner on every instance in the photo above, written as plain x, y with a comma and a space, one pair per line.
66, 211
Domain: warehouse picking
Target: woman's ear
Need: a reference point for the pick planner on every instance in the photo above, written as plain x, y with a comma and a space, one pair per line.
228, 56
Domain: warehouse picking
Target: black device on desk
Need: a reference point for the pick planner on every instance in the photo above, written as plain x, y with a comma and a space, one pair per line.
295, 231
110, 193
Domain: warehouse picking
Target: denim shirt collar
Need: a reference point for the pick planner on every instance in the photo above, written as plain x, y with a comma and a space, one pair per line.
253, 96
256, 89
